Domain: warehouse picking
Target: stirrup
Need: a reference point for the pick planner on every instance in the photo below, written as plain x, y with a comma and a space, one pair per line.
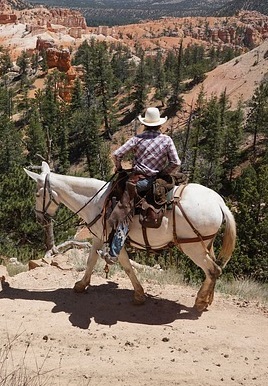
105, 255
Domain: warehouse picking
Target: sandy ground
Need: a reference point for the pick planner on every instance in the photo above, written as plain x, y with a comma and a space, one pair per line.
58, 337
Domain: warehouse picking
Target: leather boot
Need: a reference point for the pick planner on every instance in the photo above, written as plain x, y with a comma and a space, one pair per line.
124, 206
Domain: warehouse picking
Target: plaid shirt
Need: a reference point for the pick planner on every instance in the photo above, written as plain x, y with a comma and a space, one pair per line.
153, 153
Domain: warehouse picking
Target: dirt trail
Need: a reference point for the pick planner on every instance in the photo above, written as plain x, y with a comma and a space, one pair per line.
101, 338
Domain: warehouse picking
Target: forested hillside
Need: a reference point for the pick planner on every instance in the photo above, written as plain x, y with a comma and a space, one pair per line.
236, 5
116, 12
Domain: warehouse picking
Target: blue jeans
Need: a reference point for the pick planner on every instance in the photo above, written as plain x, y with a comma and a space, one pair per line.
144, 184
121, 232
119, 239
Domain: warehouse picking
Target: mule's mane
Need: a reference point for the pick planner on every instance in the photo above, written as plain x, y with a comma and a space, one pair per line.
82, 185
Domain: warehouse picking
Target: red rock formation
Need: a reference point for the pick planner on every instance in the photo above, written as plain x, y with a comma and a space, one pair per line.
61, 59
66, 87
224, 35
8, 18
42, 44
59, 16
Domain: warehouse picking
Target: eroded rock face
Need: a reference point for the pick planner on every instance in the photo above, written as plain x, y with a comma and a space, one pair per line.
61, 59
247, 29
42, 44
41, 16
58, 16
8, 18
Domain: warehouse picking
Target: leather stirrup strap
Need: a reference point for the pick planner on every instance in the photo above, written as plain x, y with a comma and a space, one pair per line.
146, 241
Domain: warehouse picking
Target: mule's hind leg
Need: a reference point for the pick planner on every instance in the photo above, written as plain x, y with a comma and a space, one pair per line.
139, 297
211, 291
81, 285
212, 271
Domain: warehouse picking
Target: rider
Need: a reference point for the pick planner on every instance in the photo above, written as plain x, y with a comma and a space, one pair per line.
154, 153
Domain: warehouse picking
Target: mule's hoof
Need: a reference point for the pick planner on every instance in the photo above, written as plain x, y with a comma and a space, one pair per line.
79, 287
201, 305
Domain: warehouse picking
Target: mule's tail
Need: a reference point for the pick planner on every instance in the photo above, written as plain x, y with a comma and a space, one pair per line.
229, 236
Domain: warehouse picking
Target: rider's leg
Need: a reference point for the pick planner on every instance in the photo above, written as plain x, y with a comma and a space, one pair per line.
119, 237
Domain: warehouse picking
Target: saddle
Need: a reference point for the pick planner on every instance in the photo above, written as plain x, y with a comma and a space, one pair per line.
124, 201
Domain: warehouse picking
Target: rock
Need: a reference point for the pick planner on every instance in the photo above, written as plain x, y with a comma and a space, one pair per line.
61, 59
44, 44
36, 264
61, 261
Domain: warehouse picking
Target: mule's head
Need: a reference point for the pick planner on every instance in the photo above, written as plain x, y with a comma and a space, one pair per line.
46, 198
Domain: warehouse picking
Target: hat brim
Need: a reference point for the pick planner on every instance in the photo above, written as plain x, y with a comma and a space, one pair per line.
157, 123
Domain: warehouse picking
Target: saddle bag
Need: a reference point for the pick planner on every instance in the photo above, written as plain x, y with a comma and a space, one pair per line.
150, 217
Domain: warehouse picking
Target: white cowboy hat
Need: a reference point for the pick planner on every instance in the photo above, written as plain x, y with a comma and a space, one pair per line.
152, 117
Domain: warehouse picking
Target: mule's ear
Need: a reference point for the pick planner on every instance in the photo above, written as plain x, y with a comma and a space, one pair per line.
45, 168
33, 175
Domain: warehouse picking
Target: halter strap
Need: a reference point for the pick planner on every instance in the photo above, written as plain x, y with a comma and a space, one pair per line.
47, 189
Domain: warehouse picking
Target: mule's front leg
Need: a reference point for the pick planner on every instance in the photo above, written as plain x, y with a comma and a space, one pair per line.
139, 296
81, 285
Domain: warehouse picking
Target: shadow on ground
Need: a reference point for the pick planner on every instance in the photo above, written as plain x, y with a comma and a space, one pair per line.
106, 304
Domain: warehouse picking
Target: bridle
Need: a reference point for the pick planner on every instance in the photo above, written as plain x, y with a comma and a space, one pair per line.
44, 212
47, 192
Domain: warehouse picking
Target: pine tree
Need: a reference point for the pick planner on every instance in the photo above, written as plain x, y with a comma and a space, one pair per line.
23, 62
121, 65
18, 225
6, 100
5, 61
63, 140
77, 99
10, 145
233, 135
175, 100
36, 138
169, 65
195, 134
160, 81
257, 121
252, 219
99, 81
105, 81
211, 145
140, 85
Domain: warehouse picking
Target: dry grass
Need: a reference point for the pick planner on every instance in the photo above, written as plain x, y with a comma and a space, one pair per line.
15, 269
245, 289
14, 372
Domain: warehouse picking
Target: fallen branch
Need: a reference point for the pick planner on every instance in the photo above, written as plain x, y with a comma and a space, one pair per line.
61, 248
144, 267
